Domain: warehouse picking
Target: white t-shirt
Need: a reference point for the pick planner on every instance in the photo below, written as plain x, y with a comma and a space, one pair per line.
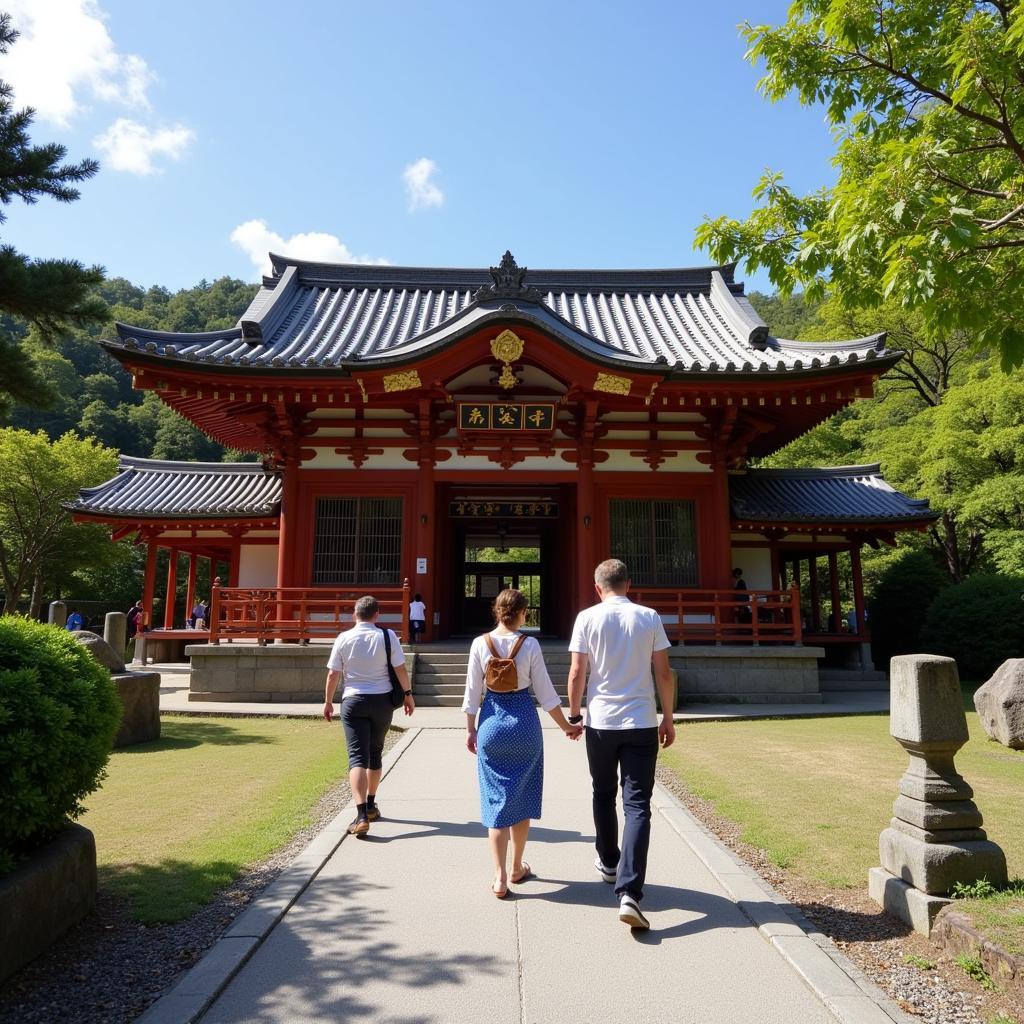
619, 639
530, 669
417, 610
359, 655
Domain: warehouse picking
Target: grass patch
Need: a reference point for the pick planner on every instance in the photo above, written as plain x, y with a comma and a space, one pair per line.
179, 819
814, 793
922, 964
974, 968
998, 913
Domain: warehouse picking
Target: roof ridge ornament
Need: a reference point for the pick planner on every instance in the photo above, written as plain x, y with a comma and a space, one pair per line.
507, 283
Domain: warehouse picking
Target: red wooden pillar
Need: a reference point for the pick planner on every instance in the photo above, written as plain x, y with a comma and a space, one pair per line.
833, 578
288, 529
172, 586
190, 586
425, 530
812, 572
584, 526
722, 520
858, 590
149, 581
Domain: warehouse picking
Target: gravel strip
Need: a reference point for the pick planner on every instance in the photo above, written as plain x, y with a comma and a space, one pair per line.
878, 943
108, 969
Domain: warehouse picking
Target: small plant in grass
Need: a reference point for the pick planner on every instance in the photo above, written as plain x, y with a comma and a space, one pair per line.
979, 890
1002, 1018
972, 966
920, 962
59, 711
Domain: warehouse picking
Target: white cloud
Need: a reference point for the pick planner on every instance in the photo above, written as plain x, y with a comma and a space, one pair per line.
130, 146
64, 57
421, 190
256, 240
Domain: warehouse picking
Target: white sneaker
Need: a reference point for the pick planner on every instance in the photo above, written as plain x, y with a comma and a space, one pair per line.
629, 913
608, 874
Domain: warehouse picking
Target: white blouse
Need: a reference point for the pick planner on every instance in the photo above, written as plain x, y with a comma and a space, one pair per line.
530, 669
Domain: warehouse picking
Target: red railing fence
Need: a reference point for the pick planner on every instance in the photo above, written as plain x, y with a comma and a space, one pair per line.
301, 614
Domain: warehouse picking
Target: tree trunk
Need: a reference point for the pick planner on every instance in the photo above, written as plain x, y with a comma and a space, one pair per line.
36, 604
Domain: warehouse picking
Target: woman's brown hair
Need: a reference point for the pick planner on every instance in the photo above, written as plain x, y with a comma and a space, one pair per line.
508, 606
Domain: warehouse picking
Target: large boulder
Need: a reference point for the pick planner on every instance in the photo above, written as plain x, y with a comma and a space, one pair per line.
100, 650
1000, 704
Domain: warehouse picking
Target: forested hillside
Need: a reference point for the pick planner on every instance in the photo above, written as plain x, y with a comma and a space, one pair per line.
93, 396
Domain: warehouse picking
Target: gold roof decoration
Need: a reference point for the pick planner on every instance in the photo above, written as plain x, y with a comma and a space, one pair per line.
507, 347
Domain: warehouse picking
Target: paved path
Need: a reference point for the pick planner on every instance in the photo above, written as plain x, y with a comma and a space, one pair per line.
400, 928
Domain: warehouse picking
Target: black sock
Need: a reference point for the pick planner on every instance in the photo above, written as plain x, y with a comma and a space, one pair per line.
361, 810
371, 801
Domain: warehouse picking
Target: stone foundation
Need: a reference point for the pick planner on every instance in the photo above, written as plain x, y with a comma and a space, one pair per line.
140, 698
747, 675
285, 673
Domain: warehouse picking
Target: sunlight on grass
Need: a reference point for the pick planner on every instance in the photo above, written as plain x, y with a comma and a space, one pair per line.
815, 793
178, 819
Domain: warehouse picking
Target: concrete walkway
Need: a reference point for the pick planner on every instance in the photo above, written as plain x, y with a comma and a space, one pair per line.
401, 928
174, 698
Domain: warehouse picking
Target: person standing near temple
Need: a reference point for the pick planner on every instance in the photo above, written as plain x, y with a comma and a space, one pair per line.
360, 657
136, 619
75, 621
417, 617
619, 641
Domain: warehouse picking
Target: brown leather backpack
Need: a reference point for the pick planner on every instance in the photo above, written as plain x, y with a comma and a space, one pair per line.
500, 673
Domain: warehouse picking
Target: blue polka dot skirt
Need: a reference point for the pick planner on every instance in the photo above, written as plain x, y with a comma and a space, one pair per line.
510, 758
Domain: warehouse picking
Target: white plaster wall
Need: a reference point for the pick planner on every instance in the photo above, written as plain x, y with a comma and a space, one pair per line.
621, 461
257, 565
756, 564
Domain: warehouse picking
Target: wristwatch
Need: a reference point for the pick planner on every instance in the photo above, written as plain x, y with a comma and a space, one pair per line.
407, 693
575, 719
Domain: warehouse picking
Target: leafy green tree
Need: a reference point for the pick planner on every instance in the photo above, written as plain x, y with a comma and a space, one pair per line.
37, 536
927, 101
898, 605
52, 295
788, 316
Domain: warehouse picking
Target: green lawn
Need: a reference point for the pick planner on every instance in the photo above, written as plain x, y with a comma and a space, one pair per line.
179, 819
815, 793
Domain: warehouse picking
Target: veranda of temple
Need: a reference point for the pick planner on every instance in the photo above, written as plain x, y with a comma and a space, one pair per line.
420, 427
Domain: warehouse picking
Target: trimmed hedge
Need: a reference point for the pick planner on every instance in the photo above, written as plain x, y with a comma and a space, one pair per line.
980, 622
900, 602
59, 713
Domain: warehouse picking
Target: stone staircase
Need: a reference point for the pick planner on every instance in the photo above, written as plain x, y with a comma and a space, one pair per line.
439, 677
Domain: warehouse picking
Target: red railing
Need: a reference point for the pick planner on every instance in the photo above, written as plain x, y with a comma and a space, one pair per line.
726, 616
266, 614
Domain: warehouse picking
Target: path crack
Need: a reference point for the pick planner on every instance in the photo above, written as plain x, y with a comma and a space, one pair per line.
519, 965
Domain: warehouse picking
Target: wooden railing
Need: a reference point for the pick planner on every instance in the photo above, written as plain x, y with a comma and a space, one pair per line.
266, 614
726, 616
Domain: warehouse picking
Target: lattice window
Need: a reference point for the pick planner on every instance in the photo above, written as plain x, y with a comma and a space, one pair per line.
657, 540
358, 541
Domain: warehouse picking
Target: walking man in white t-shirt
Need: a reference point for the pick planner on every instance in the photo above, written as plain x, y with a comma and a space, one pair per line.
620, 641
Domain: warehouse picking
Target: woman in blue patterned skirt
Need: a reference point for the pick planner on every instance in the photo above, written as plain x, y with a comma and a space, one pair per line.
507, 739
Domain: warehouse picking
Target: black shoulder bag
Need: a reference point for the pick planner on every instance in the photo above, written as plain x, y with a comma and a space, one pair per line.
397, 693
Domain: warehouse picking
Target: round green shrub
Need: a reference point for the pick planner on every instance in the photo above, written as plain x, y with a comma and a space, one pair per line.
897, 608
59, 712
980, 623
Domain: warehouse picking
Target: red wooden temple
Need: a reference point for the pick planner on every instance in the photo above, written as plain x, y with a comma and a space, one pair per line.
450, 432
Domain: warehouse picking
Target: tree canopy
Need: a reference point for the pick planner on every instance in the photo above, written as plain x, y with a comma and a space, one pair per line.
51, 295
927, 101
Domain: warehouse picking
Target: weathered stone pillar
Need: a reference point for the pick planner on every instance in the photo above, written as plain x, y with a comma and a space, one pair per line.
935, 838
58, 614
115, 631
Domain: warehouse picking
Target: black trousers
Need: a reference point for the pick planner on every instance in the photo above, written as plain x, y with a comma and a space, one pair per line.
634, 754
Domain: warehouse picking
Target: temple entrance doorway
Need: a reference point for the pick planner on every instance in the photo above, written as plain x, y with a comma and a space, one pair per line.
496, 540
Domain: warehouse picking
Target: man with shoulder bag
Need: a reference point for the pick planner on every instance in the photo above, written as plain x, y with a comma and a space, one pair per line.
372, 662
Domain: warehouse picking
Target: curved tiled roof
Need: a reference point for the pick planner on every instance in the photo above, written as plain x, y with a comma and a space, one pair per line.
152, 488
331, 316
844, 494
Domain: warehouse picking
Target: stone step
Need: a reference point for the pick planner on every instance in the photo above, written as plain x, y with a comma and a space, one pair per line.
842, 674
432, 687
854, 685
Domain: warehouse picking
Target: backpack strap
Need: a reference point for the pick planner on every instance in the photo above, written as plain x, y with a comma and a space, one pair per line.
517, 646
490, 645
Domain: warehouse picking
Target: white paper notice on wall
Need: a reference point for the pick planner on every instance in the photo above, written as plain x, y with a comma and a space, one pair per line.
421, 567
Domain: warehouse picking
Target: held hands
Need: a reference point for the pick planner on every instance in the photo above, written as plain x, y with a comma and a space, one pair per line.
666, 732
573, 732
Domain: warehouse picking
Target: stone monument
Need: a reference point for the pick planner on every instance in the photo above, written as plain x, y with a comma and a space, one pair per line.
935, 838
1000, 704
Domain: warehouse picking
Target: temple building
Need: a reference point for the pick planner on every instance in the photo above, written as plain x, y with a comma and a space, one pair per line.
450, 432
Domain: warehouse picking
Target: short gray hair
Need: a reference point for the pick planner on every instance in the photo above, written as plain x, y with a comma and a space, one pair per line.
611, 574
366, 608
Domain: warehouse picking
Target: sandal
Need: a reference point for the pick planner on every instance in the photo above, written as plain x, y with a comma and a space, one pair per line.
499, 894
526, 874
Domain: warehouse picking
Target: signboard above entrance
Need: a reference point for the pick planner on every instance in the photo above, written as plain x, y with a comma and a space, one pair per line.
503, 510
506, 416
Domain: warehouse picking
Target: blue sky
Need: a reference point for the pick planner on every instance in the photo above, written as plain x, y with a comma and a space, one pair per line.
434, 133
